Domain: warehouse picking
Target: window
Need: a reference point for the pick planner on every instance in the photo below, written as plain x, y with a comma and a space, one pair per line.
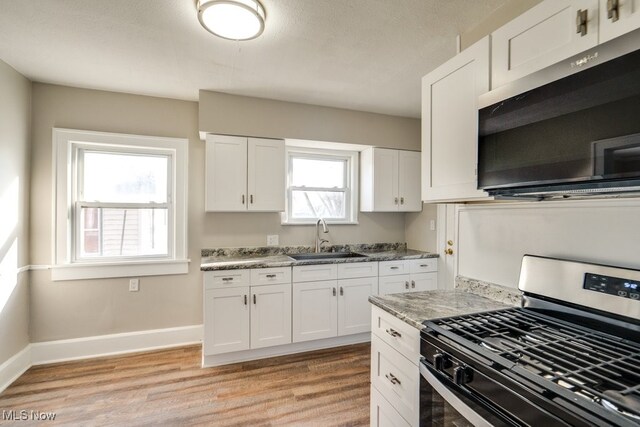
321, 184
120, 205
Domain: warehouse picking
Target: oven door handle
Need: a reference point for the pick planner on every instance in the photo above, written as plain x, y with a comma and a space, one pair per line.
430, 374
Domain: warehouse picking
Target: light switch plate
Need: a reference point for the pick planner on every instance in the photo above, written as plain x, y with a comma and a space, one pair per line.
272, 240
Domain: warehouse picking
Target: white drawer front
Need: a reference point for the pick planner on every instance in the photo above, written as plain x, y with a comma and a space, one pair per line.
226, 278
392, 268
426, 265
383, 414
313, 273
397, 379
398, 334
353, 270
270, 276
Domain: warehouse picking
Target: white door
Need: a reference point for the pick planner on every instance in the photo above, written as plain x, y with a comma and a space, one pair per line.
226, 320
266, 175
409, 181
354, 310
315, 310
618, 18
394, 284
424, 282
270, 315
385, 180
226, 173
542, 36
450, 125
447, 246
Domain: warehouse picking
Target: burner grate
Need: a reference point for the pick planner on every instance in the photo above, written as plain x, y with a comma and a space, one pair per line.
599, 367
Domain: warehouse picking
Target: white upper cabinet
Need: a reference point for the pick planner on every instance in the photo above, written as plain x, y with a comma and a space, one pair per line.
450, 125
244, 174
390, 180
618, 17
542, 36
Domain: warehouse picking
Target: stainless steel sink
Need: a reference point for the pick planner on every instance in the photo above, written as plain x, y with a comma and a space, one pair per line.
325, 255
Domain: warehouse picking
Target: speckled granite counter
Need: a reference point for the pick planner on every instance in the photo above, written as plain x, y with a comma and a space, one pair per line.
416, 307
275, 256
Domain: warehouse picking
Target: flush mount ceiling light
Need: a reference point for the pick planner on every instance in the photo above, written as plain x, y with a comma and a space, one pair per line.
232, 19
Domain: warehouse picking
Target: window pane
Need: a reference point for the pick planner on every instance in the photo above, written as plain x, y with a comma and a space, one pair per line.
318, 173
318, 204
123, 232
126, 178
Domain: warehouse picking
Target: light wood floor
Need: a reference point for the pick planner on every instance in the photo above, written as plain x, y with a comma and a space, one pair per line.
322, 388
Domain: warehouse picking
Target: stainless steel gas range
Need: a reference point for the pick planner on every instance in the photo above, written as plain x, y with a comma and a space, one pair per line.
570, 355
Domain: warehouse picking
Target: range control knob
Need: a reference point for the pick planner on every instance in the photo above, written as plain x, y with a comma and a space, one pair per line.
462, 375
441, 361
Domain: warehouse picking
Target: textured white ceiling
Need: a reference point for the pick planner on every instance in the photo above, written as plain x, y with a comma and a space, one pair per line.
364, 55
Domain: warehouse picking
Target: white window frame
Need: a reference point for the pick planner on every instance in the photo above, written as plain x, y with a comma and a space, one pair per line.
67, 143
351, 181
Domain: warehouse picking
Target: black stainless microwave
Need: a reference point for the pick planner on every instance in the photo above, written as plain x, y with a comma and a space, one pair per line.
570, 129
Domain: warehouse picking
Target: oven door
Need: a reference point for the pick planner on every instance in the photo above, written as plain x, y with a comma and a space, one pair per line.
442, 405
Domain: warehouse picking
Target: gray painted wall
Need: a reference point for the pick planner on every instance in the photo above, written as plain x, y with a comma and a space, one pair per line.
15, 114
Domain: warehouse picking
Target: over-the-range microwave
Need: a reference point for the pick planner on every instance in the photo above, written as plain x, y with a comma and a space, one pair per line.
572, 129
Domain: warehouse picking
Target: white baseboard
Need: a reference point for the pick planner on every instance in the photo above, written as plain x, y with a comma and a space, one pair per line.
14, 367
281, 350
109, 345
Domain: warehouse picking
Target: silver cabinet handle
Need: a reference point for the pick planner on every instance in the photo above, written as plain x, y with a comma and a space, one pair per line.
581, 22
394, 268
271, 276
251, 199
413, 284
406, 285
227, 279
613, 10
245, 300
395, 200
424, 265
243, 199
402, 200
254, 299
341, 291
393, 333
393, 379
334, 292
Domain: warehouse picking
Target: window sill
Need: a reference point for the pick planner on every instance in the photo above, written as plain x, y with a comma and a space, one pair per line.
118, 269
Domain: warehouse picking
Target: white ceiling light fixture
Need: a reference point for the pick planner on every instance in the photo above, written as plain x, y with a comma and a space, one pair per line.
232, 19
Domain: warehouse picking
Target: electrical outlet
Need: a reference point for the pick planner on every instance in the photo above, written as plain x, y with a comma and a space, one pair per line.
432, 225
272, 240
134, 285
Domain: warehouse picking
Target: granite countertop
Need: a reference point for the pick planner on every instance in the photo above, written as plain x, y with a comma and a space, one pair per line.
264, 257
416, 307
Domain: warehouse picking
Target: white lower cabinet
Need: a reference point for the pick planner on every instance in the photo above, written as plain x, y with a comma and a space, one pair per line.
395, 376
408, 276
270, 315
226, 320
315, 310
354, 313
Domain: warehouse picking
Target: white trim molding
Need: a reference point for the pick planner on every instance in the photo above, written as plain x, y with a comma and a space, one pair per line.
14, 367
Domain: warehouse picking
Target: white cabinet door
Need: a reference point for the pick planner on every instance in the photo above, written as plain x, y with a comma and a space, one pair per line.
315, 310
354, 310
383, 414
409, 181
627, 13
424, 282
450, 125
266, 175
542, 36
226, 320
270, 315
226, 173
394, 284
385, 180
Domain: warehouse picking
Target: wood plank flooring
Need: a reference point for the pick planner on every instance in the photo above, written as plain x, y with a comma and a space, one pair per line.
168, 387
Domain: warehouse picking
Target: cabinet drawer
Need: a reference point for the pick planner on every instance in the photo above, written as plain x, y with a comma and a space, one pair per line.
354, 270
392, 268
270, 276
396, 378
313, 273
425, 265
226, 278
398, 334
383, 414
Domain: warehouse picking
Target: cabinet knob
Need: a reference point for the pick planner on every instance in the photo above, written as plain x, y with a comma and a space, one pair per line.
402, 200
406, 285
413, 284
581, 22
613, 10
395, 200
